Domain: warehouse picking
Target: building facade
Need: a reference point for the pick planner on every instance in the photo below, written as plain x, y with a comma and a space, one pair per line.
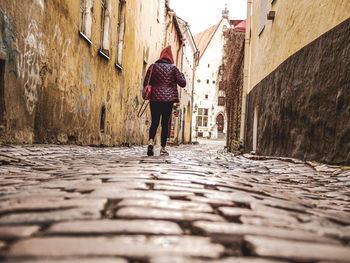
297, 80
72, 71
208, 99
188, 65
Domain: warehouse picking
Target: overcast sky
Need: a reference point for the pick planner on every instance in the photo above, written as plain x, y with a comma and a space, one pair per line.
202, 14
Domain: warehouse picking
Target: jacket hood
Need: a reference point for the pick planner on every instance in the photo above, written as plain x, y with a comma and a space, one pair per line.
166, 53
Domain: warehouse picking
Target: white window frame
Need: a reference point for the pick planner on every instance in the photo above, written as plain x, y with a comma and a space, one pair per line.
202, 118
120, 33
86, 19
106, 8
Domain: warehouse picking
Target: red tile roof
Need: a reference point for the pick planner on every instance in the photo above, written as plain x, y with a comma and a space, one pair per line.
203, 39
240, 27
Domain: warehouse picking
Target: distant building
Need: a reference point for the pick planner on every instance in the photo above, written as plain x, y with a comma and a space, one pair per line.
297, 80
188, 65
208, 99
72, 72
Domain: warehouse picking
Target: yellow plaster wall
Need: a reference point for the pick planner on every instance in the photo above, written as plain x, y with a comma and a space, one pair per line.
69, 81
297, 23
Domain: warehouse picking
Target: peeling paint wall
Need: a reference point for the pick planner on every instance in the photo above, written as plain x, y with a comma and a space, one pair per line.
57, 85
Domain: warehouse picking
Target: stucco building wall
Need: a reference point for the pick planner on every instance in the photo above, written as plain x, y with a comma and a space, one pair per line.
297, 23
57, 86
298, 100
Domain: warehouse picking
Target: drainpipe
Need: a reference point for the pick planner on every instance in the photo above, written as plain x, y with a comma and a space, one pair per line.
246, 71
171, 14
195, 64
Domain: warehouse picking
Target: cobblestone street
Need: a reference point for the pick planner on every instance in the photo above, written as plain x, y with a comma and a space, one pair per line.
200, 204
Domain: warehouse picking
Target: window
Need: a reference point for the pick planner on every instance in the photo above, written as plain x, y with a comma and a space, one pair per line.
86, 19
263, 15
199, 81
213, 81
106, 6
206, 96
202, 118
221, 101
208, 65
207, 81
120, 33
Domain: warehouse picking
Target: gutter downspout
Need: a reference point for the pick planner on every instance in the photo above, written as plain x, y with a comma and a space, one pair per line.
171, 14
246, 71
195, 64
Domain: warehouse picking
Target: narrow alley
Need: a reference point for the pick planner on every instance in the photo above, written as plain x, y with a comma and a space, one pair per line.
174, 131
63, 203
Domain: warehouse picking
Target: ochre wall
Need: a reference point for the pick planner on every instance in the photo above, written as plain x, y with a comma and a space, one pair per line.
56, 82
296, 24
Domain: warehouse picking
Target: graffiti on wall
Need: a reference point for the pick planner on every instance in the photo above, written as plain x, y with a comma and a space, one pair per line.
29, 68
87, 77
60, 54
8, 43
82, 106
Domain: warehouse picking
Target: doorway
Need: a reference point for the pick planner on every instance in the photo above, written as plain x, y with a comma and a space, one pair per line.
2, 92
220, 122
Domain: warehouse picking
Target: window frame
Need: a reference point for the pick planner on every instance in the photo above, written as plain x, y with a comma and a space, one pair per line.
221, 101
263, 16
202, 117
85, 5
121, 26
105, 29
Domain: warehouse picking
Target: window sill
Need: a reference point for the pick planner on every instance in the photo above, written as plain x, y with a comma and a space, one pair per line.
261, 31
104, 55
118, 66
81, 34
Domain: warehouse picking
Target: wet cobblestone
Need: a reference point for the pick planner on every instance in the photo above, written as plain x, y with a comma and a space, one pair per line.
200, 204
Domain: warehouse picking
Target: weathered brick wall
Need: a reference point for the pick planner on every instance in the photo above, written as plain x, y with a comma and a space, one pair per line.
304, 105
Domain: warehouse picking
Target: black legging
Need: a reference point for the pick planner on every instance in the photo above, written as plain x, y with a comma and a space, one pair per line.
160, 108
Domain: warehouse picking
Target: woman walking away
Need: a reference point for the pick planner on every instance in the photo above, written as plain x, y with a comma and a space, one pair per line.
164, 79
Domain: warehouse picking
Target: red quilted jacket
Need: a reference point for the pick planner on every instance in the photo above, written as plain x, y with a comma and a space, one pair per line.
164, 80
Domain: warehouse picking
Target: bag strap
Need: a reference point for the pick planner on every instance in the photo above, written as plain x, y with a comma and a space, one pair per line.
149, 78
142, 108
143, 105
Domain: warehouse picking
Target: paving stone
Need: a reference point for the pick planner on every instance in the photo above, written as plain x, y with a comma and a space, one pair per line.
53, 216
124, 246
70, 260
225, 228
115, 193
104, 186
116, 227
155, 213
168, 204
275, 213
298, 251
14, 232
224, 260
212, 201
49, 202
